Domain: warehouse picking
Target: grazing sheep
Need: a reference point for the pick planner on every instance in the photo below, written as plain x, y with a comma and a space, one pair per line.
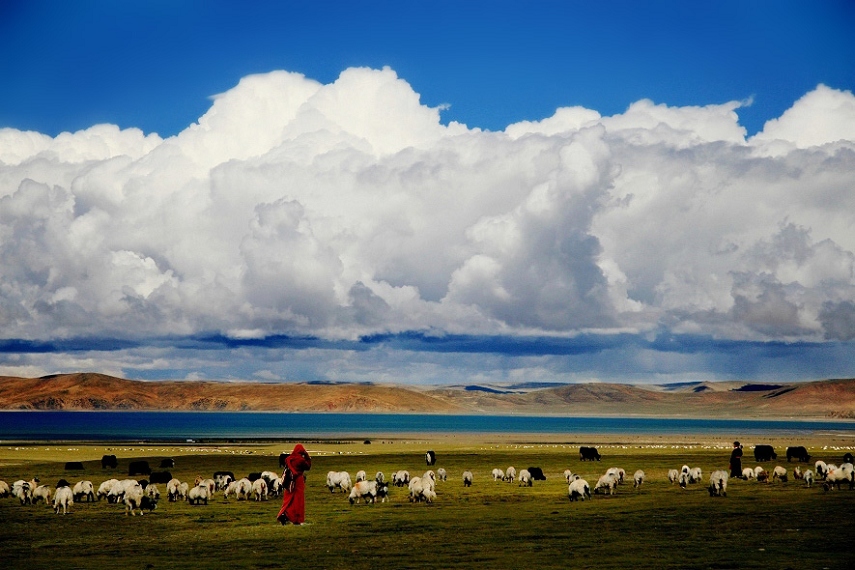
498, 474
761, 474
578, 490
42, 493
695, 475
222, 480
136, 499
838, 475
683, 479
525, 478
467, 478
748, 473
339, 480
441, 474
510, 475
617, 472
365, 490
23, 490
5, 491
429, 496
673, 475
259, 489
63, 498
118, 490
429, 480
416, 489
152, 492
638, 478
779, 473
797, 473
718, 483
172, 490
606, 484
808, 477
199, 495
379, 477
401, 478
568, 476
183, 490
821, 469
83, 489
361, 476
105, 488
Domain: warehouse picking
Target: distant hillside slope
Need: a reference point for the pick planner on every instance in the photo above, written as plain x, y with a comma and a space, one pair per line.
89, 391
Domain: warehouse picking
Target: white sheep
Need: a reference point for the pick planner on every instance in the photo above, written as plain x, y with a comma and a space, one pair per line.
172, 490
361, 475
416, 488
105, 488
136, 499
42, 493
200, 494
695, 475
821, 469
779, 473
429, 496
183, 489
569, 476
838, 475
638, 478
761, 475
23, 490
808, 477
748, 473
467, 478
441, 474
84, 489
62, 499
429, 480
259, 489
525, 478
619, 473
366, 490
673, 475
379, 477
152, 492
339, 480
718, 483
5, 490
510, 474
401, 478
117, 492
578, 490
498, 474
606, 484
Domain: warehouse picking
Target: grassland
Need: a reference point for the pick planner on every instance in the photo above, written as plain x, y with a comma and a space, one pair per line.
491, 524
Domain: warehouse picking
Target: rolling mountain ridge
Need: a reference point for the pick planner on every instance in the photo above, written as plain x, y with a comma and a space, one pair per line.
822, 399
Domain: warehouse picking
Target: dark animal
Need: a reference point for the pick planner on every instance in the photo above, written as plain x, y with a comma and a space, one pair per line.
537, 473
109, 461
62, 483
588, 454
430, 457
764, 453
847, 458
255, 476
799, 453
167, 463
139, 468
282, 458
143, 483
73, 466
160, 477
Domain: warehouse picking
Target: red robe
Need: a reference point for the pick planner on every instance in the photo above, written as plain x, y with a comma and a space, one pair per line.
294, 498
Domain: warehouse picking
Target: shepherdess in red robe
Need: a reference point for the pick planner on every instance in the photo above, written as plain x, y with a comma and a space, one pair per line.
293, 491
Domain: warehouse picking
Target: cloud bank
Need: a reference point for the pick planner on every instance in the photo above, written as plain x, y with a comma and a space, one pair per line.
338, 212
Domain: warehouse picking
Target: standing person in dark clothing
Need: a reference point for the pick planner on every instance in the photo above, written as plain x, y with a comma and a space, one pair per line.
736, 460
294, 488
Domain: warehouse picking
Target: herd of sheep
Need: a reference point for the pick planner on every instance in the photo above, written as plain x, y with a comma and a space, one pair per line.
141, 495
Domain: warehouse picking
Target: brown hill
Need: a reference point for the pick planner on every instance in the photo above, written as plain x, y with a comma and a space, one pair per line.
88, 391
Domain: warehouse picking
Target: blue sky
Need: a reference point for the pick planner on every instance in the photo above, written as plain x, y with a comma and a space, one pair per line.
428, 192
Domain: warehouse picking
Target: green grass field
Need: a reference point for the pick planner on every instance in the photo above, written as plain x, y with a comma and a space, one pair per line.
492, 524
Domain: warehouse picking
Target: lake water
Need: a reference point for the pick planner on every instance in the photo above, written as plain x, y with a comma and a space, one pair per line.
181, 426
